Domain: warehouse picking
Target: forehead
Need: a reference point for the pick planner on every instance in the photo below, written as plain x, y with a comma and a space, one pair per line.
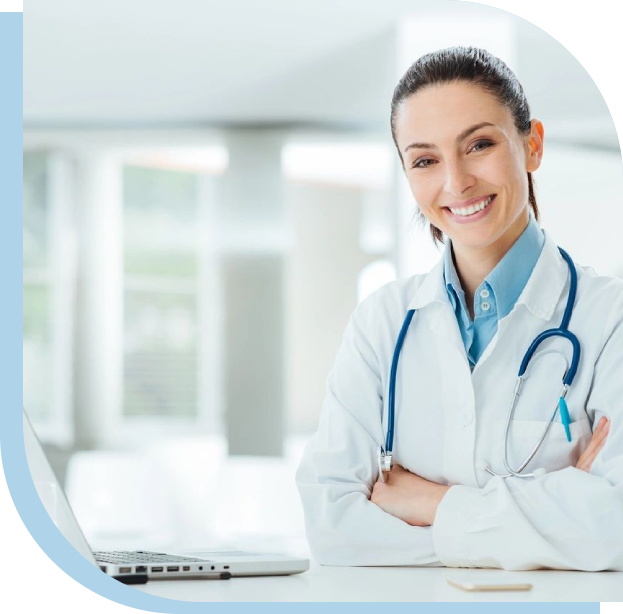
436, 114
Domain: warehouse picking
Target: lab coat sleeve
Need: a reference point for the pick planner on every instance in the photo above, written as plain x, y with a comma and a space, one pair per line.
339, 464
567, 519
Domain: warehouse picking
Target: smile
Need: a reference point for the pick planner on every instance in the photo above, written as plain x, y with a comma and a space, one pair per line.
471, 214
465, 211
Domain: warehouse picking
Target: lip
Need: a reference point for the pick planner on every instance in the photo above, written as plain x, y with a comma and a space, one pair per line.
467, 203
459, 219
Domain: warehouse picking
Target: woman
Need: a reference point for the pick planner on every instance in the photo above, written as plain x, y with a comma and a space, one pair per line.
462, 128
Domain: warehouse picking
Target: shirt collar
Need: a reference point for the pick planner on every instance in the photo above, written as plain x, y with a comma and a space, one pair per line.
509, 276
540, 294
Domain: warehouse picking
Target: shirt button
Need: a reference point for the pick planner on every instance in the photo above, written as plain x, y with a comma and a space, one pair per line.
467, 419
484, 293
485, 306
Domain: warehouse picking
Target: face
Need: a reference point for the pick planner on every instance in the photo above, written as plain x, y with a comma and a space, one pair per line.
448, 164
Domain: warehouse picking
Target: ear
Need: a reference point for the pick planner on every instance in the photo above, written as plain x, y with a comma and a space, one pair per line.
534, 140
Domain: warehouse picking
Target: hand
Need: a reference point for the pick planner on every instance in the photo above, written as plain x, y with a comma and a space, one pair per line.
408, 496
596, 443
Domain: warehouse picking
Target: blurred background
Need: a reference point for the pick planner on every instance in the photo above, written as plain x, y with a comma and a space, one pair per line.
210, 188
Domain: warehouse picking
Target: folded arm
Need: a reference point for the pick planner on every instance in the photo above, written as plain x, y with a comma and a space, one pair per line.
339, 467
567, 519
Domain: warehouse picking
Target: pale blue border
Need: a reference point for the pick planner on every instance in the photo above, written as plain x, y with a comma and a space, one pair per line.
16, 470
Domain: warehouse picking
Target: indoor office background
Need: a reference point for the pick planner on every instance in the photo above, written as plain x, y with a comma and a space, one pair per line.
209, 191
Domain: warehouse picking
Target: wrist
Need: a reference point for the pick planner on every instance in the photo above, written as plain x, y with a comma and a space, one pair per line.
439, 495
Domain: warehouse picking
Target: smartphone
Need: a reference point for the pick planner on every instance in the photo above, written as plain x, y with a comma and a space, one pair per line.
488, 584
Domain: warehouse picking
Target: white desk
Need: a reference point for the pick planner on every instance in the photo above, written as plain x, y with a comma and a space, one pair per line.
322, 583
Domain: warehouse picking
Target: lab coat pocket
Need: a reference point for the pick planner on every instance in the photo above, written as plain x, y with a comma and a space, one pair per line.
555, 452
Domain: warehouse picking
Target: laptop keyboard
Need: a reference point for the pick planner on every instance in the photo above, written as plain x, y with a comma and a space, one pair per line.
122, 557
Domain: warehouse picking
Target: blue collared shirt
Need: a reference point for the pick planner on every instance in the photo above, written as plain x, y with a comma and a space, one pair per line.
497, 294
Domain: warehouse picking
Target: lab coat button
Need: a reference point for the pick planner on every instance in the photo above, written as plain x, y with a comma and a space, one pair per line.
484, 293
467, 419
485, 306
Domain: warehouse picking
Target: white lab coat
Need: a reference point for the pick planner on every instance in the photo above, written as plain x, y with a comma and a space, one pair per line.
448, 418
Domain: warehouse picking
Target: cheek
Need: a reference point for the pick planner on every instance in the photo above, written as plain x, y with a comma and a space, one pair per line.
509, 168
508, 165
423, 191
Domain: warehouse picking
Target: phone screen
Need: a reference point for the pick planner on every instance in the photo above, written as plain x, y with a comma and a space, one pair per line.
489, 582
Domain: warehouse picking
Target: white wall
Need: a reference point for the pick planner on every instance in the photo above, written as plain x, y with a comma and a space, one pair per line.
321, 290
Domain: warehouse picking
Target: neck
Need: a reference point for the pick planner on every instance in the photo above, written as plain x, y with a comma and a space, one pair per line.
474, 263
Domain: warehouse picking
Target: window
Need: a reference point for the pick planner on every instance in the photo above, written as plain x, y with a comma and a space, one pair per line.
48, 278
161, 348
37, 331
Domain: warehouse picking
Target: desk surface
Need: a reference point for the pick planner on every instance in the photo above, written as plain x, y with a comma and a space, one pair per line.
321, 583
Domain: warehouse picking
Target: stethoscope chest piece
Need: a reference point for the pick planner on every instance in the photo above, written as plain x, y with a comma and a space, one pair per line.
385, 463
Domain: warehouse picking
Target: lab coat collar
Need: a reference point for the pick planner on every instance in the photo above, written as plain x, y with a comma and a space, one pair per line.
540, 294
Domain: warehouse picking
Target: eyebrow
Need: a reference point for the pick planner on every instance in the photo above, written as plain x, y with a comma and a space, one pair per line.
459, 138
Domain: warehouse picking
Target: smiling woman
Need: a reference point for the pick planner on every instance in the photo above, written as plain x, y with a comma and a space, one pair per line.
475, 187
452, 349
477, 85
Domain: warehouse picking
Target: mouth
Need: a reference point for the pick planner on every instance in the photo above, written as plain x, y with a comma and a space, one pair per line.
471, 212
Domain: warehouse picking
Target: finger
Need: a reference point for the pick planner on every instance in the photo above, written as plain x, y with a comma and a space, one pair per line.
597, 443
588, 460
600, 433
601, 425
593, 449
593, 445
599, 429
604, 425
601, 445
589, 452
603, 431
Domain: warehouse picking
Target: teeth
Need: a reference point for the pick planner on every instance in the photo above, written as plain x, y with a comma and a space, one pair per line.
472, 208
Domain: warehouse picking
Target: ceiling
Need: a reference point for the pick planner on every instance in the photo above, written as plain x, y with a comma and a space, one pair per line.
151, 63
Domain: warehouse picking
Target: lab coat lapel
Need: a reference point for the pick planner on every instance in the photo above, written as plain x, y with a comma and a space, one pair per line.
432, 297
545, 285
540, 296
535, 307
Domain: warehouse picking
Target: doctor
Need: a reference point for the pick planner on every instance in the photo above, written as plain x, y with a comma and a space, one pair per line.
468, 148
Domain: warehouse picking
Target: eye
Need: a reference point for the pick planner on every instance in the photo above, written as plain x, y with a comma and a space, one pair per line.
485, 143
416, 164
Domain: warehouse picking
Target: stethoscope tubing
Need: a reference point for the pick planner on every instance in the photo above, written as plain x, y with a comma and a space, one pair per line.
385, 454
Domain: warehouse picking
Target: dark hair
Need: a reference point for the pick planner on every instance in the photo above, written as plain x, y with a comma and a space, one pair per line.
471, 65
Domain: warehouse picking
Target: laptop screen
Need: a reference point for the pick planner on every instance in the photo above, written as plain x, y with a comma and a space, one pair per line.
51, 494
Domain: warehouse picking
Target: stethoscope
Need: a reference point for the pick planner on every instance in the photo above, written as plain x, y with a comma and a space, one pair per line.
385, 453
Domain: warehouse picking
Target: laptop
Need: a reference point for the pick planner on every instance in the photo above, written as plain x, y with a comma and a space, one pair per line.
137, 566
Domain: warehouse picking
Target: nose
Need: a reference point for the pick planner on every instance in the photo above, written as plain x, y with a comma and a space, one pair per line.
458, 177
